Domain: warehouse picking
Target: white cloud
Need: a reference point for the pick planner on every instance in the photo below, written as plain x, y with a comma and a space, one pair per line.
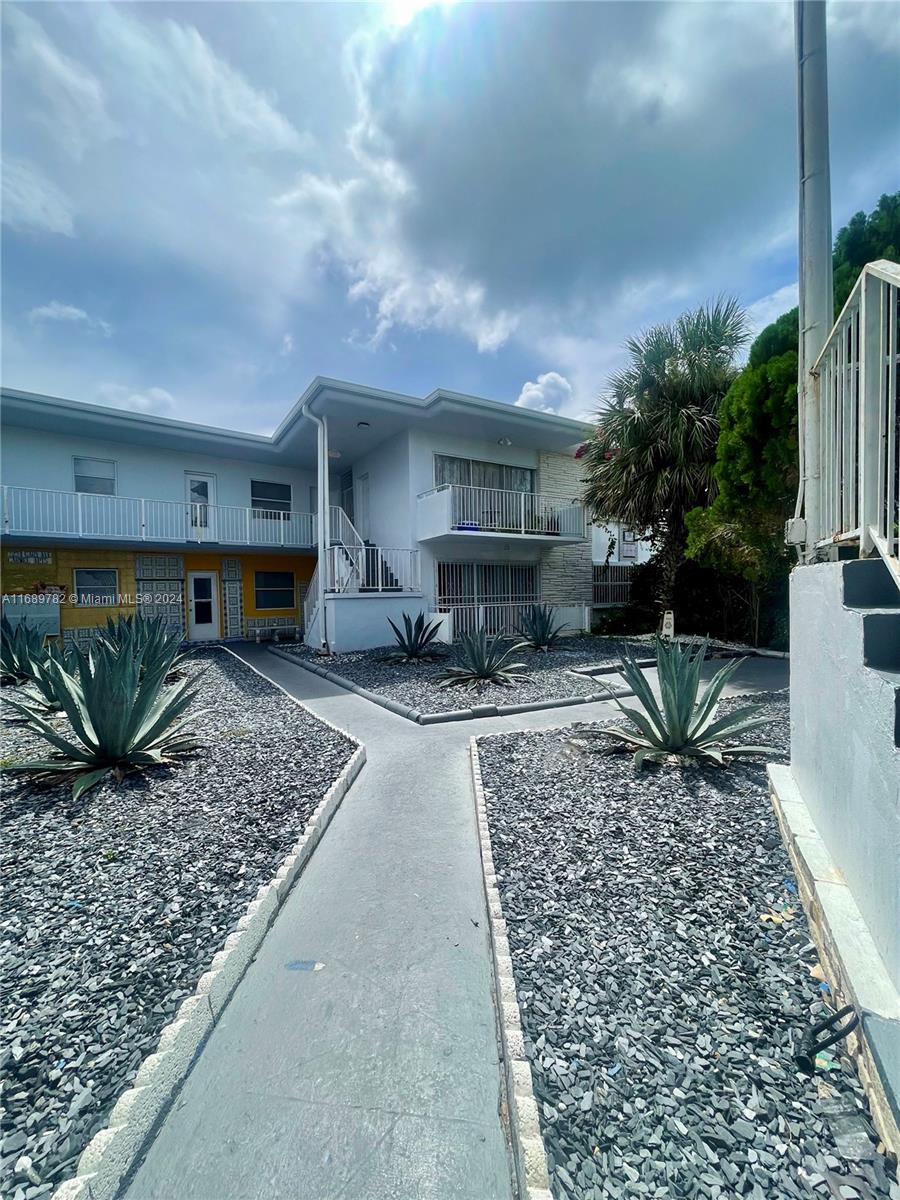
55, 311
287, 345
74, 109
152, 400
764, 311
551, 393
31, 202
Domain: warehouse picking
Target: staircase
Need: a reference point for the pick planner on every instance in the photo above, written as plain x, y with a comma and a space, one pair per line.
870, 591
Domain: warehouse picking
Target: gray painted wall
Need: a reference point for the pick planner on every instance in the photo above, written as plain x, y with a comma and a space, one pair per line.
843, 756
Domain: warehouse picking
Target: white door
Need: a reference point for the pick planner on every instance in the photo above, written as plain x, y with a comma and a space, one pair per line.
203, 606
361, 505
200, 493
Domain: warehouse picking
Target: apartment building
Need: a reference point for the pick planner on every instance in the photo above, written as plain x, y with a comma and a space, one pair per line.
363, 504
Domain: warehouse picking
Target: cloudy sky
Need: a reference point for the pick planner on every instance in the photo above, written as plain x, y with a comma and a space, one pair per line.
206, 205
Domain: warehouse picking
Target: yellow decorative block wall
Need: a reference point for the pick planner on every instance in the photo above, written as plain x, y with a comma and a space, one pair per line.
60, 572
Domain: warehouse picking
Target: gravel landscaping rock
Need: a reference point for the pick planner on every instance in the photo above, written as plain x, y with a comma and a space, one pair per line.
114, 905
417, 685
663, 967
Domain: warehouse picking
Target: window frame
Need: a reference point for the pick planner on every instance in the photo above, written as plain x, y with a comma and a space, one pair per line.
114, 463
77, 590
258, 589
263, 513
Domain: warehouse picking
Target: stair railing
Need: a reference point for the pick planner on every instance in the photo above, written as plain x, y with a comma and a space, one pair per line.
855, 466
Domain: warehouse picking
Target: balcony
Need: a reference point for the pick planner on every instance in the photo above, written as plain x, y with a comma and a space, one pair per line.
454, 510
39, 513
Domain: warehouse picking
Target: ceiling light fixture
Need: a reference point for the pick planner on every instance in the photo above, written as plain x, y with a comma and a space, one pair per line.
504, 441
362, 424
334, 454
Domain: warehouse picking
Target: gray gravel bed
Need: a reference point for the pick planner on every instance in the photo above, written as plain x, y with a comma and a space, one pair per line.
417, 685
114, 905
660, 1009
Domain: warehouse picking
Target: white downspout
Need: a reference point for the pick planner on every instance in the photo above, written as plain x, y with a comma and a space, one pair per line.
323, 525
816, 286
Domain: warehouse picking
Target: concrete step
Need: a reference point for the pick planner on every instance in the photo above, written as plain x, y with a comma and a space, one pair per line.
869, 584
892, 678
881, 638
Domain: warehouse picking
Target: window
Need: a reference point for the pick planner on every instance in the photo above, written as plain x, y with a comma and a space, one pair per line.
271, 501
274, 589
475, 473
629, 544
96, 586
95, 475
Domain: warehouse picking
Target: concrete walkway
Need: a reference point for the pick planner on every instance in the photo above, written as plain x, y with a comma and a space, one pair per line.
374, 1077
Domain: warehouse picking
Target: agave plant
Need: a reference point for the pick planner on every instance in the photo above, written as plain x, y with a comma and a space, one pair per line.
683, 727
138, 634
415, 642
481, 660
42, 691
120, 718
537, 629
21, 647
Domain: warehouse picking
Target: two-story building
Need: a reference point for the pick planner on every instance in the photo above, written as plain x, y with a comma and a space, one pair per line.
363, 504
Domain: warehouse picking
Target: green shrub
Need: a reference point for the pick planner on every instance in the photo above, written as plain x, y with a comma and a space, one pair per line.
415, 642
120, 718
482, 660
537, 628
682, 727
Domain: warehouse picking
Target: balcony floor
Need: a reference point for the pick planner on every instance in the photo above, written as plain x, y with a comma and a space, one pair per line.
500, 535
92, 541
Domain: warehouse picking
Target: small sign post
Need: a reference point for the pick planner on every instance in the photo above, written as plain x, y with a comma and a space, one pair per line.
668, 625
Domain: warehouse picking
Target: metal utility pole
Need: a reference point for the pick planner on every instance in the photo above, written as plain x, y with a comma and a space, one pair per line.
816, 287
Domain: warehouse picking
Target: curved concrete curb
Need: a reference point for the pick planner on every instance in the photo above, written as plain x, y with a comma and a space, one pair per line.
455, 714
111, 1153
528, 1152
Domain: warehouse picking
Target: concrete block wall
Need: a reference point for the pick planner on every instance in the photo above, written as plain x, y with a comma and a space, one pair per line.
843, 758
566, 570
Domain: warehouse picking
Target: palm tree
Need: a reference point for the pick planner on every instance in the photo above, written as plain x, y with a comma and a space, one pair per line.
652, 454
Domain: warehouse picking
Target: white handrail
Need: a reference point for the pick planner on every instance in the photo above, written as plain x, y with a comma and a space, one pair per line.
45, 512
859, 421
343, 530
371, 569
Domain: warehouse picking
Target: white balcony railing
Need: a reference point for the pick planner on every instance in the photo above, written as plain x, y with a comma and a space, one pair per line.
495, 510
44, 513
855, 496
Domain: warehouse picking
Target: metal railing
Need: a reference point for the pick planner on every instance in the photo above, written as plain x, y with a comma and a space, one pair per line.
477, 509
612, 584
503, 616
370, 570
311, 601
43, 512
342, 528
858, 452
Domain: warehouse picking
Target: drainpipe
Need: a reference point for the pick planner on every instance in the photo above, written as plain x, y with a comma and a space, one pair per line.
323, 525
816, 287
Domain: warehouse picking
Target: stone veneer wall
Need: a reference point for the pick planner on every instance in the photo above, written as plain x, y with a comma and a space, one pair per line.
566, 571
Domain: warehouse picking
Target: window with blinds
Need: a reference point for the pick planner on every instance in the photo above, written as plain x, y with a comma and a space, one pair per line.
96, 476
473, 472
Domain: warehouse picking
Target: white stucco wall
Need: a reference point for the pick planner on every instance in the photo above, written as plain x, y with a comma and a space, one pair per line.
33, 458
600, 535
843, 756
391, 512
